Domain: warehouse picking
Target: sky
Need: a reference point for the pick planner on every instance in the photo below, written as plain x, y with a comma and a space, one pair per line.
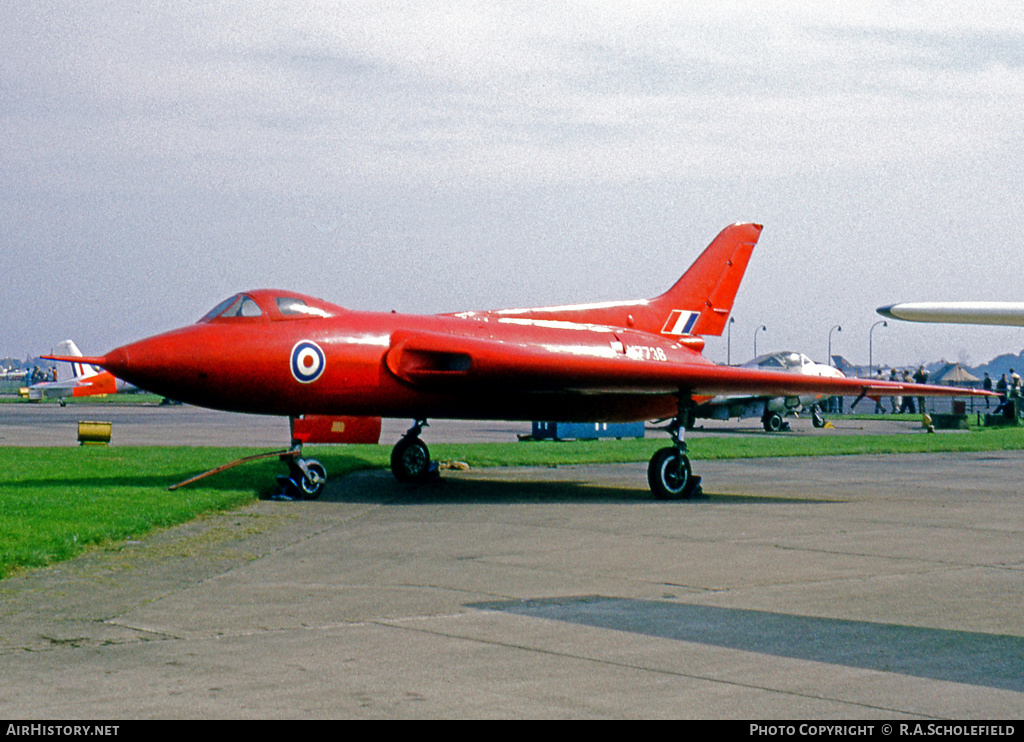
428, 157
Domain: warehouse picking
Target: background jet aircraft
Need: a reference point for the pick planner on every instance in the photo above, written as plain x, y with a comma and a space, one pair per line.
276, 352
771, 410
958, 312
86, 380
14, 374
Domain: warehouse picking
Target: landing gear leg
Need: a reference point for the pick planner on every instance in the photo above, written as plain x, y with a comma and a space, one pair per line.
410, 458
669, 474
305, 479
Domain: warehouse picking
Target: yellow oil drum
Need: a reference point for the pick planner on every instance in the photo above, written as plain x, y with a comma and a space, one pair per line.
93, 433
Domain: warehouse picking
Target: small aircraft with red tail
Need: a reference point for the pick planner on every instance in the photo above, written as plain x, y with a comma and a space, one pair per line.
85, 381
282, 353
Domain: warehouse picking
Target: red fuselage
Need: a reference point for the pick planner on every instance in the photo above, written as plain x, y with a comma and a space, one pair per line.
329, 360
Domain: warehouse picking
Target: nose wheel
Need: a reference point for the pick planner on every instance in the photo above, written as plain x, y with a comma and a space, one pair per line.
305, 479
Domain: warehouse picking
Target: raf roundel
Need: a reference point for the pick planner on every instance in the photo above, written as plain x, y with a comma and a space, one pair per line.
308, 361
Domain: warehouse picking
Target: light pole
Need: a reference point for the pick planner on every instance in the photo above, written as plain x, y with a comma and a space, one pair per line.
871, 356
728, 343
840, 329
762, 327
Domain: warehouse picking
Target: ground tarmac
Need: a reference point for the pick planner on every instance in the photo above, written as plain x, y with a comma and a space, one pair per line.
847, 587
49, 424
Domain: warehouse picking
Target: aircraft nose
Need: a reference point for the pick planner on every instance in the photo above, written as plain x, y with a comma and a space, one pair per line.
148, 364
116, 361
169, 363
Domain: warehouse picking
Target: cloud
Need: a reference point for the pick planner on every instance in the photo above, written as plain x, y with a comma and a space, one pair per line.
285, 141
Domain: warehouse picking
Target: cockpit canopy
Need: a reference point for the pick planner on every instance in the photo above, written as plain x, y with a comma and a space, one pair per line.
269, 304
784, 361
238, 305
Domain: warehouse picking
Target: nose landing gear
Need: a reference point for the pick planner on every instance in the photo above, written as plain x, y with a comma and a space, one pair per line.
305, 479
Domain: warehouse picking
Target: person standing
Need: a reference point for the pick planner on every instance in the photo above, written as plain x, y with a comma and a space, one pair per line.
1001, 390
879, 407
921, 377
1014, 393
908, 400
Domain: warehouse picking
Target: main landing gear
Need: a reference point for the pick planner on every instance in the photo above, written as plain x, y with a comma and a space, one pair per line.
669, 474
410, 458
773, 422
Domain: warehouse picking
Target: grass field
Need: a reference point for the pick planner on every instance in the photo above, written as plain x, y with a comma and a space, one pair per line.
140, 398
56, 502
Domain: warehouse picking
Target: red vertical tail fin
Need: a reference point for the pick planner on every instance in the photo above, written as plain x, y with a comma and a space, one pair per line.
700, 302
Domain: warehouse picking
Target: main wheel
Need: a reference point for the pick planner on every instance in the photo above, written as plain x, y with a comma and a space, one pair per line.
817, 419
772, 422
312, 485
669, 474
410, 460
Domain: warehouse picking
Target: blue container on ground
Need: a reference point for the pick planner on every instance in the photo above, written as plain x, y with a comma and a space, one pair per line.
586, 431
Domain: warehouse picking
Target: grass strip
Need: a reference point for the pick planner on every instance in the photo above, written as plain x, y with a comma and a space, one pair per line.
56, 502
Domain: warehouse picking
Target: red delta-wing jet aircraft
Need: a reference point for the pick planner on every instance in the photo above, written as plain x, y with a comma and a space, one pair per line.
276, 352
